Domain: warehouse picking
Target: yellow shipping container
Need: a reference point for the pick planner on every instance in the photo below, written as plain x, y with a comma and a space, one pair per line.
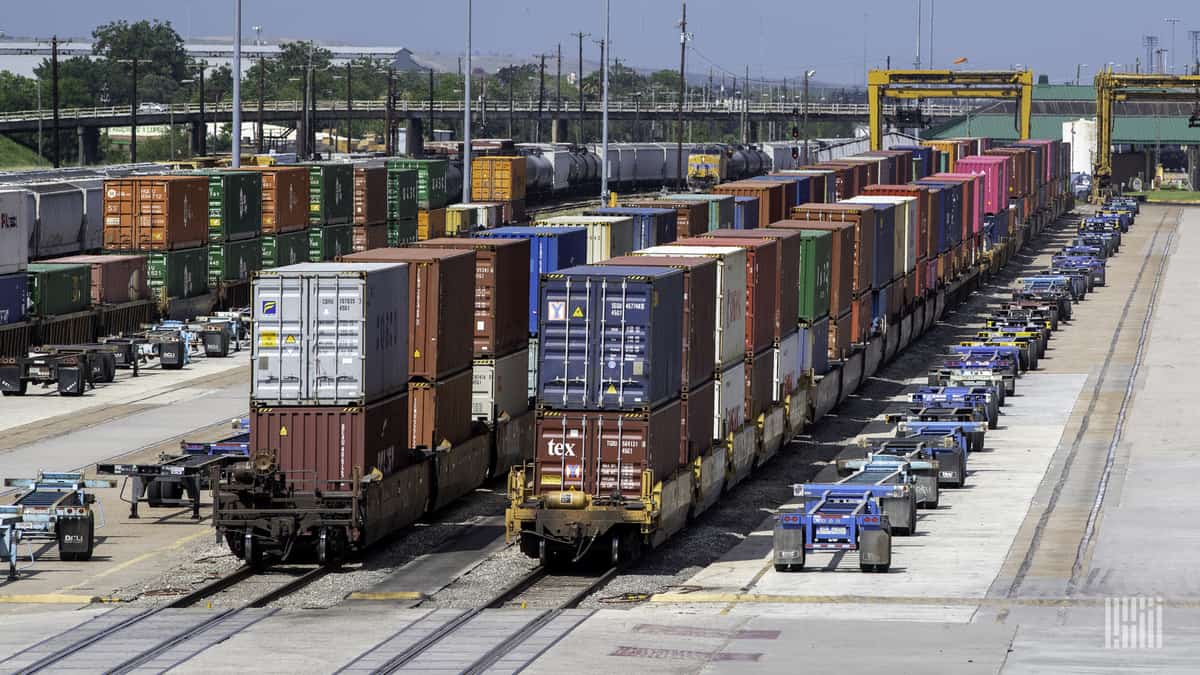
460, 219
431, 224
497, 178
608, 236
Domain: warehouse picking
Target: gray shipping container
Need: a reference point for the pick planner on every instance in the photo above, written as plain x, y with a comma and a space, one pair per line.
93, 212
329, 333
15, 223
55, 212
500, 387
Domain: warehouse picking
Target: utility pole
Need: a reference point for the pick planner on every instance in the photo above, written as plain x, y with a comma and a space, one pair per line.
236, 160
931, 34
54, 147
262, 96
349, 110
202, 146
133, 105
389, 114
579, 85
466, 189
1172, 21
431, 81
917, 62
510, 100
683, 40
557, 95
1194, 35
746, 107
807, 75
604, 47
541, 95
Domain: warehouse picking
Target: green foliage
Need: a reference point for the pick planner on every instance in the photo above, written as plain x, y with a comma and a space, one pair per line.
158, 49
13, 155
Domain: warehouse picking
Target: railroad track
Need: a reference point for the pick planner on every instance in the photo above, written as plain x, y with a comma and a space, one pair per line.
163, 636
542, 590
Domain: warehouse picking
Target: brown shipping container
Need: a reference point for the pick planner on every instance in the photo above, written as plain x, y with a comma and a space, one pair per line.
367, 237
284, 198
441, 284
839, 336
925, 195
791, 189
762, 287
328, 443
599, 453
439, 413
860, 318
431, 224
501, 323
691, 218
697, 421
841, 281
760, 383
844, 186
156, 213
370, 195
863, 217
115, 278
771, 206
699, 311
787, 286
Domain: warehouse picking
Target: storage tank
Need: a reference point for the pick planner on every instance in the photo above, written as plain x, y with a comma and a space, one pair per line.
539, 172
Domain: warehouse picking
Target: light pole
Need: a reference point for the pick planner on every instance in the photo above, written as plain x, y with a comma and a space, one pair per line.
1079, 71
1172, 21
38, 82
807, 74
466, 190
237, 85
171, 120
604, 121
133, 105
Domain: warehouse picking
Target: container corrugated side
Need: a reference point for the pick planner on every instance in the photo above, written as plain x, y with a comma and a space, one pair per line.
284, 198
499, 387
431, 179
370, 195
787, 277
233, 260
234, 205
439, 412
330, 193
328, 242
608, 236
14, 297
329, 333
178, 274
16, 218
56, 217
550, 249
280, 250
115, 278
651, 226
56, 289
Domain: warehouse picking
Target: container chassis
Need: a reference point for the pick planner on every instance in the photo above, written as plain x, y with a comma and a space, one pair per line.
56, 507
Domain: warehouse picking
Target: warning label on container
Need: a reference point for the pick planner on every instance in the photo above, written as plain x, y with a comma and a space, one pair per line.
289, 340
578, 313
268, 338
556, 311
283, 431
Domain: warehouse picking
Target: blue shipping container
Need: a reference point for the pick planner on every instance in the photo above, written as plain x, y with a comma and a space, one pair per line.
610, 337
745, 213
14, 297
885, 244
819, 330
550, 249
938, 234
952, 209
651, 227
922, 159
879, 306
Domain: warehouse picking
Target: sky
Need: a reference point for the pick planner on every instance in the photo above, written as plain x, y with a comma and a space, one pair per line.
774, 38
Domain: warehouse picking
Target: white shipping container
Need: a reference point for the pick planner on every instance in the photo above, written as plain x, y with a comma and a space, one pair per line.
786, 371
499, 387
93, 213
907, 225
730, 409
804, 350
58, 228
16, 218
730, 335
608, 236
329, 333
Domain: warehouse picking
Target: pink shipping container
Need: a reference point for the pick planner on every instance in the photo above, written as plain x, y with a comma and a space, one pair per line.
994, 172
973, 191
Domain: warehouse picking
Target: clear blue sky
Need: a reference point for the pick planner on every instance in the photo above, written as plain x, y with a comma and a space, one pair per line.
775, 38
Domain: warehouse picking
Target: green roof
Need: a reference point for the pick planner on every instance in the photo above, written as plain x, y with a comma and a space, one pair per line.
1064, 92
1126, 130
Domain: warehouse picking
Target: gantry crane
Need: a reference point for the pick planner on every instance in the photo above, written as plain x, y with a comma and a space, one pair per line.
1112, 88
920, 84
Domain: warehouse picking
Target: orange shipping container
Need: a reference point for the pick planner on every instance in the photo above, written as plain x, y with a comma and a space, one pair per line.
839, 335
155, 213
370, 195
860, 318
284, 198
771, 206
497, 178
431, 223
367, 237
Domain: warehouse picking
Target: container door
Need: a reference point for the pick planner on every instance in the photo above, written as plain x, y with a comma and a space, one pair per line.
336, 310
280, 365
624, 318
621, 451
565, 363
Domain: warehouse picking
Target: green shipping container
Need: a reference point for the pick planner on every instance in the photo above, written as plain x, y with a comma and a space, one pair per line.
234, 205
233, 260
402, 231
178, 274
401, 193
59, 288
330, 193
816, 273
431, 180
279, 250
329, 242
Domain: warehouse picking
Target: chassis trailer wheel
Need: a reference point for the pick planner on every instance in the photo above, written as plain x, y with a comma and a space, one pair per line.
874, 551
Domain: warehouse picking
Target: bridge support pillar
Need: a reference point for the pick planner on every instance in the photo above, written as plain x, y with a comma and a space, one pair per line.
301, 139
752, 128
196, 137
414, 137
558, 131
89, 144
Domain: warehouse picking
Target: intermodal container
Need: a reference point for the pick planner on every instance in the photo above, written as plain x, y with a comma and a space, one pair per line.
329, 334
760, 370
762, 283
370, 195
840, 334
431, 180
499, 387
729, 406
178, 274
822, 184
973, 201
994, 172
401, 232
497, 178
330, 193
235, 200
284, 198
608, 236
838, 278
795, 190
320, 445
651, 226
501, 319
401, 193
366, 237
732, 300
602, 453
233, 260
953, 212
860, 317
907, 227
720, 207
818, 332
772, 204
691, 217
441, 285
610, 337
787, 266
746, 213
886, 248
786, 365
155, 213
56, 289
327, 242
115, 278
461, 219
431, 224
862, 216
279, 250
925, 196
439, 414
14, 297
699, 312
550, 249
921, 158
16, 223
699, 406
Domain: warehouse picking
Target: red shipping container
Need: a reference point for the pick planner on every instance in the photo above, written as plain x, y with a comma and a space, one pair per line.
315, 444
860, 319
441, 284
501, 324
863, 217
841, 282
370, 195
762, 279
760, 383
787, 281
604, 453
439, 413
696, 421
115, 278
699, 311
367, 237
772, 197
691, 217
840, 332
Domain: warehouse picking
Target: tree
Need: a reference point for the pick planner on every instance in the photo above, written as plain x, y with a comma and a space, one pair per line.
162, 60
